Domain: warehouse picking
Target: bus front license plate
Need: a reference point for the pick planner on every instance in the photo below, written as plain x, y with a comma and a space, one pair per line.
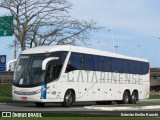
23, 98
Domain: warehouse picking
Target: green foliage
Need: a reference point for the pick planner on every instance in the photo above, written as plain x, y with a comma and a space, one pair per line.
154, 97
5, 93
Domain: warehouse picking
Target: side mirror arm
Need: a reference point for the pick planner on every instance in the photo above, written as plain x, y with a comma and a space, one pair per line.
44, 63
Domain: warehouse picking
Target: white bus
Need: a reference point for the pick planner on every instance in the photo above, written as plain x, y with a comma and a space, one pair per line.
68, 74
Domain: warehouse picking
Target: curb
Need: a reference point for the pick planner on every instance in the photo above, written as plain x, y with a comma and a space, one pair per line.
123, 108
147, 100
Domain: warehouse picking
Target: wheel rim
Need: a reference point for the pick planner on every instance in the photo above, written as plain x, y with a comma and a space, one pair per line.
126, 100
134, 98
69, 99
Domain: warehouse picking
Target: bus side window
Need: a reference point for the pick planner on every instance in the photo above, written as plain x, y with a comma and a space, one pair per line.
107, 64
145, 68
95, 63
114, 64
52, 73
63, 56
48, 74
127, 66
101, 63
137, 67
73, 63
132, 70
87, 62
120, 66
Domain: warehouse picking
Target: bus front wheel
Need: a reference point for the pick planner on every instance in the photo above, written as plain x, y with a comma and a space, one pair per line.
68, 99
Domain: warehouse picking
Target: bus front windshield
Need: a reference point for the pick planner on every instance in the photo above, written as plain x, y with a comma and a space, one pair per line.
28, 71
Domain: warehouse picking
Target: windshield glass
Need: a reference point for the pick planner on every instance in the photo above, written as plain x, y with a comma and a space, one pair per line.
20, 70
28, 71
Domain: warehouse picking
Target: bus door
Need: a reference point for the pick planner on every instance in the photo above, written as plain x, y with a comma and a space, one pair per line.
51, 76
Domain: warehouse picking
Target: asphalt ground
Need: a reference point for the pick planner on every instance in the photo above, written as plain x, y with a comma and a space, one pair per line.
82, 106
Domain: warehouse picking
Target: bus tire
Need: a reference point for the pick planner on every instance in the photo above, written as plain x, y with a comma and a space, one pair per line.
126, 97
40, 104
134, 98
68, 99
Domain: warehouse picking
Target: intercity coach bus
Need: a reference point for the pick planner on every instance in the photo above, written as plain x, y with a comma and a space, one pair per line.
67, 74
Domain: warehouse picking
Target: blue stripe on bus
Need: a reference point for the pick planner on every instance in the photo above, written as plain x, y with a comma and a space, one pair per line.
43, 93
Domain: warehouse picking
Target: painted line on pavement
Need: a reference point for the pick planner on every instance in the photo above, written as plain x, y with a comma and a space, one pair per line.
123, 108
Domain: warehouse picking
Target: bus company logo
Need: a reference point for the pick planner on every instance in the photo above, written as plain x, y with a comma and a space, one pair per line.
6, 114
3, 59
99, 77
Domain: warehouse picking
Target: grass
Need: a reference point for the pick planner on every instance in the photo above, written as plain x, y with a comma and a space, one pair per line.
154, 97
5, 93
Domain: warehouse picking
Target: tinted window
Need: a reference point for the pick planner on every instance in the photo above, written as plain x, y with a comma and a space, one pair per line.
63, 56
145, 68
117, 65
101, 63
107, 64
60, 55
74, 62
120, 66
96, 63
132, 67
137, 67
87, 62
114, 65
55, 66
52, 72
127, 66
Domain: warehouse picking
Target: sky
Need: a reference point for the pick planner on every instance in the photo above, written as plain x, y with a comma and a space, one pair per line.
134, 24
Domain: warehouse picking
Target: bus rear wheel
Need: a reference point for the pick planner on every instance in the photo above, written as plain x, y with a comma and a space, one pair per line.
39, 104
68, 99
134, 98
126, 97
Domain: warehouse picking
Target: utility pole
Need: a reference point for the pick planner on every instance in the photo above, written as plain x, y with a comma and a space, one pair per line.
115, 48
113, 42
15, 49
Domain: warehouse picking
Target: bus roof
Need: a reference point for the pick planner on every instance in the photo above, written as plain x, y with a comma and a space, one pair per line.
48, 49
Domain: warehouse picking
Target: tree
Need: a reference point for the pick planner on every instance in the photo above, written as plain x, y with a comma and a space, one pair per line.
46, 22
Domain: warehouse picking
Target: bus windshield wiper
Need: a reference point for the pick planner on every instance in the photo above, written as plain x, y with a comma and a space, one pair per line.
23, 74
20, 79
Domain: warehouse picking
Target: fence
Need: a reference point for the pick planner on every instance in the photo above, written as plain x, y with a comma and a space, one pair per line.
6, 77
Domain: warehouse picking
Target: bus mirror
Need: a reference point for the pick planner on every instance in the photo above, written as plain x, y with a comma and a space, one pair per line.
44, 63
9, 63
